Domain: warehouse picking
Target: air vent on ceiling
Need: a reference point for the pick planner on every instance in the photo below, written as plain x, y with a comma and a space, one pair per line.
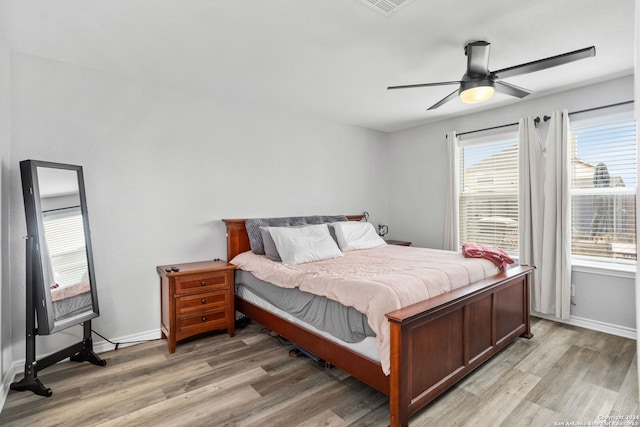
386, 7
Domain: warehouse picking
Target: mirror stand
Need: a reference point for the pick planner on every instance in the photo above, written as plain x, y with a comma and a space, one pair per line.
79, 352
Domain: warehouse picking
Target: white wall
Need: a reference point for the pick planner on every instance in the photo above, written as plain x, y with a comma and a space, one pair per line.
5, 292
162, 166
418, 174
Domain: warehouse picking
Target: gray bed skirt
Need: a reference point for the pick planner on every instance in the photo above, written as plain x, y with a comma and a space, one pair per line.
345, 323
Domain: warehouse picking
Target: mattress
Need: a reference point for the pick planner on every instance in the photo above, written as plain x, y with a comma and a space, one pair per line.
72, 306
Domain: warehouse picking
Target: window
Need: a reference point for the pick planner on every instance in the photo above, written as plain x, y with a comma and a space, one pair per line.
64, 231
603, 188
488, 192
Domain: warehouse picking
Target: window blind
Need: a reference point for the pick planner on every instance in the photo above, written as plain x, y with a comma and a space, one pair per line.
64, 233
603, 186
488, 193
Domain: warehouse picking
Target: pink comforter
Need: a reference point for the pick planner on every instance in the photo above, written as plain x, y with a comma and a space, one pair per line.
64, 292
375, 281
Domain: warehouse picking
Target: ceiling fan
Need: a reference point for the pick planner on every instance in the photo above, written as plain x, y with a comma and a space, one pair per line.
478, 83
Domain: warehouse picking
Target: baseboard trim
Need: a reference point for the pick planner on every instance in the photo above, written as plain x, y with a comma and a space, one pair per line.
99, 346
595, 325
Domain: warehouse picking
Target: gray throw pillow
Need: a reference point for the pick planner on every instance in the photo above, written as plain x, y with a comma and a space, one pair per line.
269, 245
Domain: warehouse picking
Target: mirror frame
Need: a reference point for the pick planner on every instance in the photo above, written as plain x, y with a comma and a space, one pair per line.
43, 305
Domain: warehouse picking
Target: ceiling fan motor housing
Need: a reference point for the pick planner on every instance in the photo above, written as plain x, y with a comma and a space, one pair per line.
477, 58
468, 83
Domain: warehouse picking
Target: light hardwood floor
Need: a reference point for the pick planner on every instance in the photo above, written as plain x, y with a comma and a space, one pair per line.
563, 374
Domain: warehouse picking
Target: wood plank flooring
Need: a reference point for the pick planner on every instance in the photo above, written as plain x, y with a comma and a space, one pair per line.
564, 374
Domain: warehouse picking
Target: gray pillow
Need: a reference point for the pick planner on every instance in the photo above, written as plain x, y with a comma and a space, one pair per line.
255, 236
270, 249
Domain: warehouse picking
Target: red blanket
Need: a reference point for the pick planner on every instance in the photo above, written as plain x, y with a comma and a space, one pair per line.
495, 255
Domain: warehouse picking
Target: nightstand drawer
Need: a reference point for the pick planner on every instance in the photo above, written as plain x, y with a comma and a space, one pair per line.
202, 282
201, 302
202, 322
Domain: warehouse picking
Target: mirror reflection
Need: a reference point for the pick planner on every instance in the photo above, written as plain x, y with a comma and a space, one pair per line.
64, 242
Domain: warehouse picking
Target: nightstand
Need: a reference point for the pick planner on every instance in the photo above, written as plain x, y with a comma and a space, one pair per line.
398, 242
196, 298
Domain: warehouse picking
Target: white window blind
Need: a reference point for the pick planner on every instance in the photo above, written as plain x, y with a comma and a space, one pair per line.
603, 188
488, 193
64, 233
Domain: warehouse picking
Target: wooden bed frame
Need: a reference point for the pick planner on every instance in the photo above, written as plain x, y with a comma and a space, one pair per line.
434, 343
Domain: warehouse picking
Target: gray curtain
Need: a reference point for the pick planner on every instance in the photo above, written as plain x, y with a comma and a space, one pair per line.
545, 212
531, 195
452, 208
555, 267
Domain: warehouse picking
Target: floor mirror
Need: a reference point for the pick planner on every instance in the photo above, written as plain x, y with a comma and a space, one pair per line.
60, 278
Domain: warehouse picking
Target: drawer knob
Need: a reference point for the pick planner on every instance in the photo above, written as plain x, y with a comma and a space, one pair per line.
204, 319
204, 300
203, 283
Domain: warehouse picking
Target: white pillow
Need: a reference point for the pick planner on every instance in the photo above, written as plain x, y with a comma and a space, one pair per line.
353, 235
304, 244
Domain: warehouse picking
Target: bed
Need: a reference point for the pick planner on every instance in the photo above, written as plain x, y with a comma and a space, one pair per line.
433, 343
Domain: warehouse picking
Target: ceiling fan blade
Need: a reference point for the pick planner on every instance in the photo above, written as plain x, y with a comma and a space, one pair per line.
543, 64
477, 58
513, 90
444, 100
425, 85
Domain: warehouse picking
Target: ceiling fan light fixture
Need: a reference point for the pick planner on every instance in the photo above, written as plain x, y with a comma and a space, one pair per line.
476, 92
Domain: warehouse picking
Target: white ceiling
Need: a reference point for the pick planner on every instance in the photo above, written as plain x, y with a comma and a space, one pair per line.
332, 59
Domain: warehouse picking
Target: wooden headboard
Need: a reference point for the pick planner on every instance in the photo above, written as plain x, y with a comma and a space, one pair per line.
238, 239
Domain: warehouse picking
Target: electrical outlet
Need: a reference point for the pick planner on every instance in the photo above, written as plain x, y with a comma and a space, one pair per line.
573, 289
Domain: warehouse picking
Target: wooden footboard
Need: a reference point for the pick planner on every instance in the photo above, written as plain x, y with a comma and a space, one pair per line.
434, 343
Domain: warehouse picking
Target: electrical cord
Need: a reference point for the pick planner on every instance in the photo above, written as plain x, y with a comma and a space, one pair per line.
281, 340
117, 344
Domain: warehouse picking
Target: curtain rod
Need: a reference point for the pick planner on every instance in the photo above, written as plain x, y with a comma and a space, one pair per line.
546, 118
586, 110
536, 120
491, 128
